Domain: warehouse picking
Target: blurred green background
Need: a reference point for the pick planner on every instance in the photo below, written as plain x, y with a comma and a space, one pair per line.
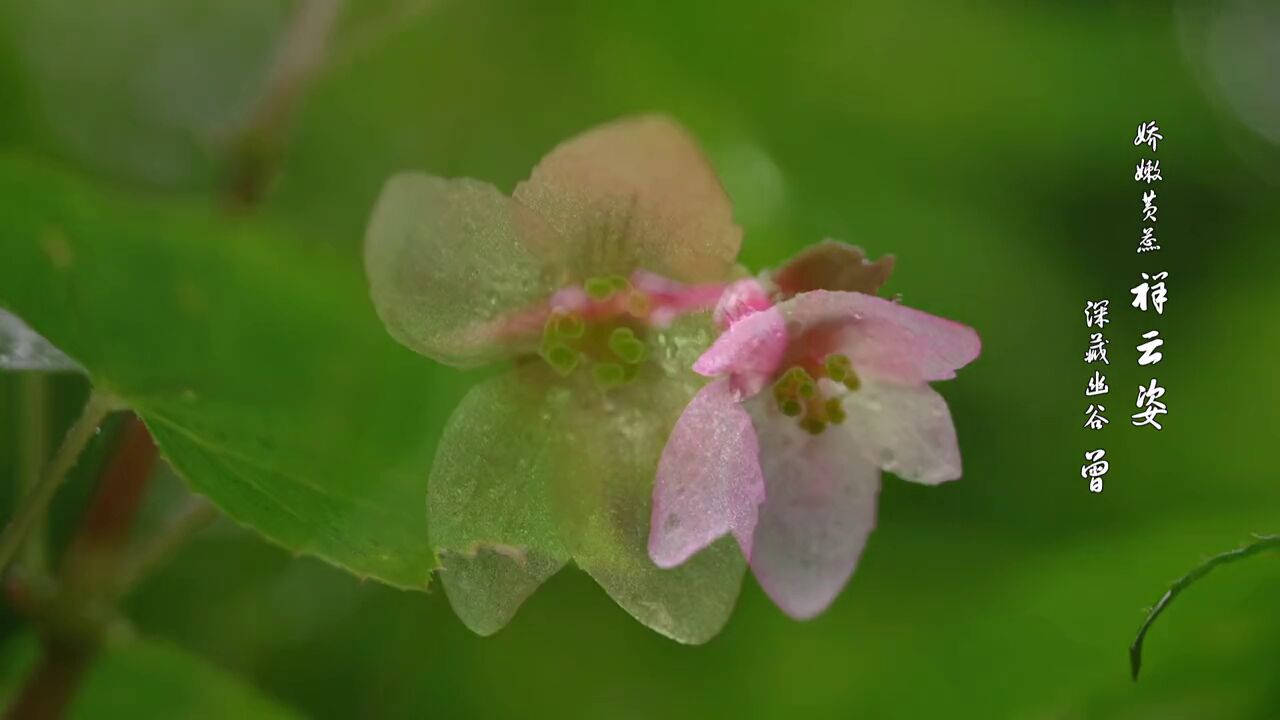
987, 144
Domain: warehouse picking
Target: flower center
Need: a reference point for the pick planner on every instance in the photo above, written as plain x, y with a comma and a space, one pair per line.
604, 334
799, 395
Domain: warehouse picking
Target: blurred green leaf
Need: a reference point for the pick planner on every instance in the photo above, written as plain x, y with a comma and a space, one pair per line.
139, 679
169, 82
256, 362
143, 679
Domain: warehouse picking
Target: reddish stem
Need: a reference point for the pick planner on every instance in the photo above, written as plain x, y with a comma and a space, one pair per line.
52, 684
87, 570
104, 530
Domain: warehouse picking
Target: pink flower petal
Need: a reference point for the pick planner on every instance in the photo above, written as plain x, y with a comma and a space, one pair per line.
671, 299
571, 299
883, 339
751, 350
903, 429
709, 481
739, 300
819, 508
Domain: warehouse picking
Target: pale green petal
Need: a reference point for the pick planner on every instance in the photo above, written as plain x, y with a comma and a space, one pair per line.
487, 500
604, 463
636, 193
677, 347
455, 268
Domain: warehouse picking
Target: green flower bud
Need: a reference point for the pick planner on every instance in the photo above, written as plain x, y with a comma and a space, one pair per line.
562, 358
835, 411
599, 288
626, 346
852, 382
569, 326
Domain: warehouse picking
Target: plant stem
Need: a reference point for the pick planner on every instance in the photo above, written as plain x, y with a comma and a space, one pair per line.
299, 56
1263, 543
36, 502
75, 619
197, 514
51, 687
94, 556
374, 32
34, 452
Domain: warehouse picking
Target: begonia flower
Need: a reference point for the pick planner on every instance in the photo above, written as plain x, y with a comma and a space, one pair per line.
595, 279
814, 396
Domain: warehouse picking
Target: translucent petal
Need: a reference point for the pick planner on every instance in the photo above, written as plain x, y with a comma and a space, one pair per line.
605, 458
819, 508
489, 511
882, 339
636, 193
709, 481
903, 429
833, 265
22, 348
677, 346
458, 271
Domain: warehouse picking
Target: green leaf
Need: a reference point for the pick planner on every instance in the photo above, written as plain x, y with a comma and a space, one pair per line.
256, 362
138, 679
490, 516
149, 90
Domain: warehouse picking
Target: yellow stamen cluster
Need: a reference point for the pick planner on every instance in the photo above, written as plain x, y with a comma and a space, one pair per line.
799, 396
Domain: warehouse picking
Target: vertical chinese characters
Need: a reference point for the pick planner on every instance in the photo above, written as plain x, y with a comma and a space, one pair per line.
1151, 293
1095, 316
1095, 469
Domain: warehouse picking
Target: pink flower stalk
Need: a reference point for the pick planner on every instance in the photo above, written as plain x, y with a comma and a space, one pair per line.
793, 474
